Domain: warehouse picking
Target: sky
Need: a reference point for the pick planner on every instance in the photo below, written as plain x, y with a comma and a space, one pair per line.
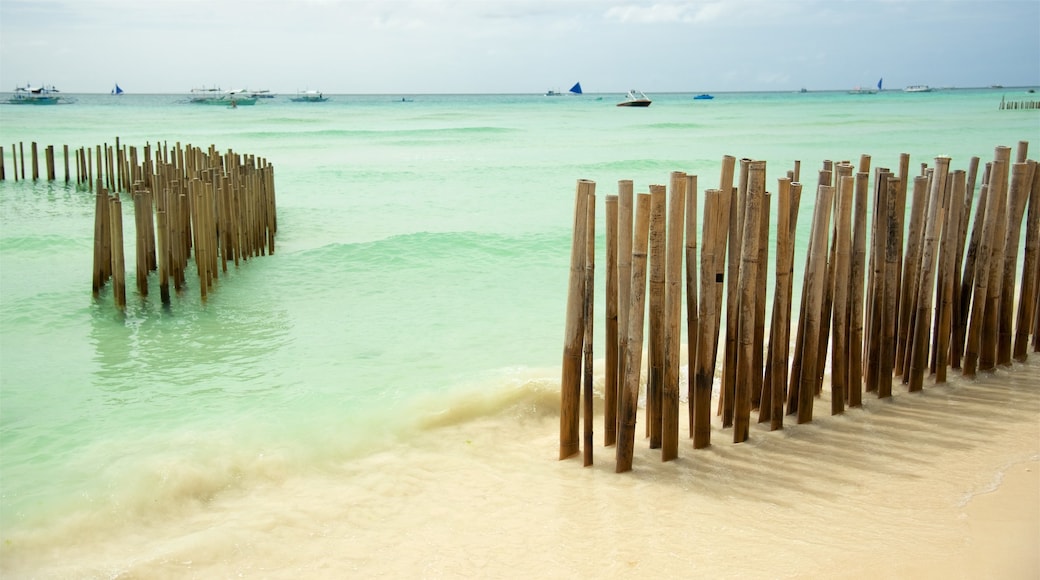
516, 46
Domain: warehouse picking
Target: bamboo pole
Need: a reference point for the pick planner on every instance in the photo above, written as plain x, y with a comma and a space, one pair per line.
715, 218
673, 295
720, 245
806, 384
163, 243
947, 256
35, 163
1022, 176
750, 227
1031, 256
957, 333
973, 339
970, 273
634, 348
118, 263
842, 269
655, 341
890, 288
102, 261
610, 379
48, 155
729, 360
570, 382
937, 200
876, 287
991, 319
141, 260
774, 383
3, 175
588, 317
65, 151
625, 202
857, 274
831, 170
693, 321
758, 346
21, 154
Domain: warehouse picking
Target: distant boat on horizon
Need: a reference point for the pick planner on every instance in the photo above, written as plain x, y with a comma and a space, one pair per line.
918, 89
575, 90
117, 90
704, 97
635, 98
862, 91
309, 97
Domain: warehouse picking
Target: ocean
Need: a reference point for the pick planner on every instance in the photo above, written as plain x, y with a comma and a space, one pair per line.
379, 396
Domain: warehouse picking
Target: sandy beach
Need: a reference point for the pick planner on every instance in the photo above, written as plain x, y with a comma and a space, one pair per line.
938, 484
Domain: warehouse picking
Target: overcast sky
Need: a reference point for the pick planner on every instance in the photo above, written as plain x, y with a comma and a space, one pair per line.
516, 46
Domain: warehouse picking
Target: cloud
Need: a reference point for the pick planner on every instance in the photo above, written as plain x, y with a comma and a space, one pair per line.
657, 13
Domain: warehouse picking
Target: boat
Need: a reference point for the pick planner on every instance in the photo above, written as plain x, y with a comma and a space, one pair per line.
918, 89
635, 98
704, 97
215, 96
29, 95
261, 94
575, 90
863, 91
309, 97
118, 90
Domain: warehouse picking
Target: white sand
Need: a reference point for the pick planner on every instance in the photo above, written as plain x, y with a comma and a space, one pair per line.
939, 484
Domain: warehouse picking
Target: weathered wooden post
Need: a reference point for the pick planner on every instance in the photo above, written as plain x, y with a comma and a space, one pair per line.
673, 294
610, 372
774, 383
991, 319
720, 245
48, 155
716, 215
655, 341
840, 317
890, 289
35, 163
815, 279
692, 295
625, 210
958, 322
634, 348
751, 232
937, 200
947, 277
587, 319
762, 272
736, 237
972, 346
118, 262
1022, 177
857, 275
1030, 259
570, 383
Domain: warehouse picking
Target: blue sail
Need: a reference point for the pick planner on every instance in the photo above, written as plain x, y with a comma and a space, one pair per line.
879, 83
118, 90
576, 89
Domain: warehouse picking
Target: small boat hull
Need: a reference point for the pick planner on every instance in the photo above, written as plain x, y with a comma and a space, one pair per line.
636, 103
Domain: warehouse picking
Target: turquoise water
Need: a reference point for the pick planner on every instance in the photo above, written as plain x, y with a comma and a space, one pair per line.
422, 259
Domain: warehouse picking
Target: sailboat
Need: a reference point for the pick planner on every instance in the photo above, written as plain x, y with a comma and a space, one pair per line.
118, 90
575, 90
862, 91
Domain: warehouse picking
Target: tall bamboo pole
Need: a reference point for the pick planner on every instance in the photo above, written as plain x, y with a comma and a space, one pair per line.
570, 383
673, 295
625, 207
634, 348
1026, 301
807, 380
876, 287
655, 341
692, 295
947, 256
587, 319
720, 245
610, 378
840, 317
970, 271
118, 262
991, 319
758, 346
1022, 177
957, 321
857, 273
729, 361
715, 218
973, 339
746, 286
774, 383
890, 287
799, 341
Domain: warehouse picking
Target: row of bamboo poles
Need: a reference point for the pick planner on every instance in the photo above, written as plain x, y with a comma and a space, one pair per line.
893, 295
1022, 104
185, 199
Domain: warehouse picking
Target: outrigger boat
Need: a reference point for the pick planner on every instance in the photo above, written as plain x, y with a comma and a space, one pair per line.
309, 97
215, 96
28, 95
